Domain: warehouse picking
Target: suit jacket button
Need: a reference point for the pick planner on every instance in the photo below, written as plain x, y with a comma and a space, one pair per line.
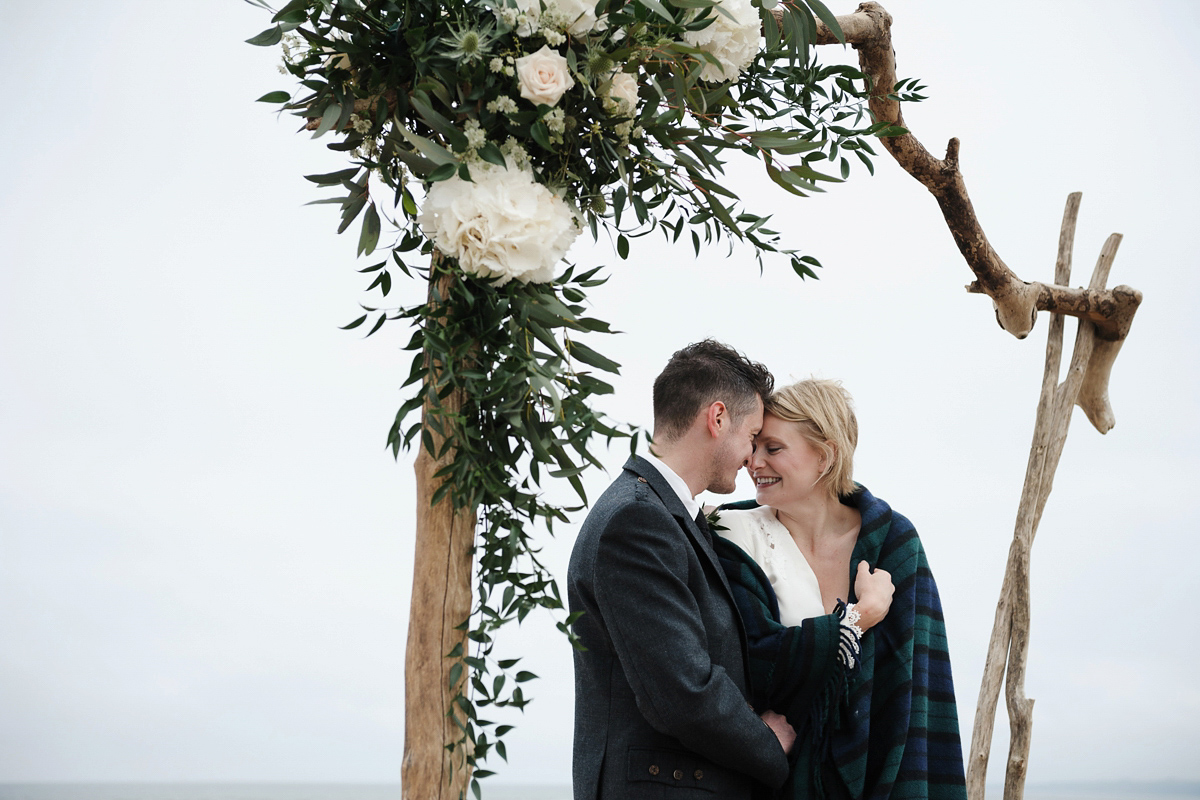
678, 775
698, 774
654, 769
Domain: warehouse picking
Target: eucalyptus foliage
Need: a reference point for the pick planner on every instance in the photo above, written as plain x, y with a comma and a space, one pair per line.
417, 92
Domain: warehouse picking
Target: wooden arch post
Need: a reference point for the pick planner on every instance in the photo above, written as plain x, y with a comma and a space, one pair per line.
439, 609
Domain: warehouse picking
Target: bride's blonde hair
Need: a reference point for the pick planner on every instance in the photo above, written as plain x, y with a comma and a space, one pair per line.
824, 414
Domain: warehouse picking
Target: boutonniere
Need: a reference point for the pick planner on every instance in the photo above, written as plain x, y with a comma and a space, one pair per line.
714, 520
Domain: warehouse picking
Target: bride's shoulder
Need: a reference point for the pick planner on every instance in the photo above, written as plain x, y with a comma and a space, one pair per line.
744, 526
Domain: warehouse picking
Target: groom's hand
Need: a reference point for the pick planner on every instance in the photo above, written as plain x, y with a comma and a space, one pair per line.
782, 730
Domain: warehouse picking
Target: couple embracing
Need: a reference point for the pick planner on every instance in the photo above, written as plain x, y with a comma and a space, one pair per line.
793, 648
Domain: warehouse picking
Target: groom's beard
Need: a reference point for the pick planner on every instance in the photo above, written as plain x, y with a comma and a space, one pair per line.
725, 466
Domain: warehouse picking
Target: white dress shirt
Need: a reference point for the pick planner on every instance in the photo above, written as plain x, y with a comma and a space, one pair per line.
676, 483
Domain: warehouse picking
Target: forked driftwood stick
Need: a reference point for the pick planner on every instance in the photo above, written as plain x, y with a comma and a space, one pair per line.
1010, 633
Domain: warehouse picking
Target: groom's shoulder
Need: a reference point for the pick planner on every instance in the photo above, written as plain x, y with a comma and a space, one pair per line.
629, 490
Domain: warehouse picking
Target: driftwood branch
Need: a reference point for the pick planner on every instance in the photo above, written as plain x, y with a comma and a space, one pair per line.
1017, 302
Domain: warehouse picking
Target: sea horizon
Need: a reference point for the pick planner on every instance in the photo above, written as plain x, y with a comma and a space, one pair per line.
283, 790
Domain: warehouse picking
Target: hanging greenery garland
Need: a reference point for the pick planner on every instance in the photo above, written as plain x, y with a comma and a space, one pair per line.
502, 129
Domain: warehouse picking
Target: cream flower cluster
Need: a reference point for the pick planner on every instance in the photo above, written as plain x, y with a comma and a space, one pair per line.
621, 95
734, 42
577, 17
502, 225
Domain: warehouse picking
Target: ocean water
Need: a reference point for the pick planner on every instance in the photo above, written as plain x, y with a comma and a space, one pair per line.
1123, 790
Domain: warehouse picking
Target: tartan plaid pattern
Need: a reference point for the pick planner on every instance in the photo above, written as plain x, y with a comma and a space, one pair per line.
888, 729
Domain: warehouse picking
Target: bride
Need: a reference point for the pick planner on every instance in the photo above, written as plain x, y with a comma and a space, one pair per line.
864, 674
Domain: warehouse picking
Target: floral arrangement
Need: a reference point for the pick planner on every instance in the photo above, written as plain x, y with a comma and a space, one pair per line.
503, 129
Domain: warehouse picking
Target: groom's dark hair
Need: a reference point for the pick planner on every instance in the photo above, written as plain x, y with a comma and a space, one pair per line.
701, 374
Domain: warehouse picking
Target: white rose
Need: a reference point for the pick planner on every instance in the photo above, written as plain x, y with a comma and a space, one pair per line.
622, 90
543, 76
501, 225
734, 42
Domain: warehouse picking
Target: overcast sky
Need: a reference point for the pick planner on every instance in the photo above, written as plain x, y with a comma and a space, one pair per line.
206, 551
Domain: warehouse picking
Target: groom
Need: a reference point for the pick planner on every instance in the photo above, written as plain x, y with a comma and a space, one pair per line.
660, 688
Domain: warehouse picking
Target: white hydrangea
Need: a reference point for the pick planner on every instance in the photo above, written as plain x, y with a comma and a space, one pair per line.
501, 225
733, 42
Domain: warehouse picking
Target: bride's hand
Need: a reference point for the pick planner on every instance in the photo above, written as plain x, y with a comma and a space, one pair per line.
874, 591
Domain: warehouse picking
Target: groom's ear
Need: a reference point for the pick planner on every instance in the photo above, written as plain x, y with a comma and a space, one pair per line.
716, 417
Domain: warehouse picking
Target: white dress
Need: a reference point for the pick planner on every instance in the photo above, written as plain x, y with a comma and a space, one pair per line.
767, 541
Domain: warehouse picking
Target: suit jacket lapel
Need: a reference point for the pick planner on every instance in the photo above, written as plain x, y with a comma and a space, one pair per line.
646, 471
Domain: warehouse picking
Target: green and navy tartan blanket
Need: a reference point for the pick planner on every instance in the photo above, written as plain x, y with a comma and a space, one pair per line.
888, 729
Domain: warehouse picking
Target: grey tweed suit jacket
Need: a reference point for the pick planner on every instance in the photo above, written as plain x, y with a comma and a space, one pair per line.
660, 706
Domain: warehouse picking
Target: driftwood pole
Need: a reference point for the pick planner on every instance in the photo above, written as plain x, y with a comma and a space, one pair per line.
1010, 632
1105, 316
441, 603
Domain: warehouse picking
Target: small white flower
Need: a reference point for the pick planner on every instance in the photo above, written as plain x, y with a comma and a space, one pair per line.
733, 42
637, 132
543, 77
496, 64
476, 136
515, 153
501, 225
359, 124
556, 121
502, 105
553, 37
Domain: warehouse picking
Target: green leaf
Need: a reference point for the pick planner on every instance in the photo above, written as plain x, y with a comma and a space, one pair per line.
370, 233
456, 138
270, 36
332, 178
541, 134
329, 118
431, 150
589, 356
622, 246
658, 8
524, 675
828, 18
354, 324
275, 97
491, 154
295, 11
443, 173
